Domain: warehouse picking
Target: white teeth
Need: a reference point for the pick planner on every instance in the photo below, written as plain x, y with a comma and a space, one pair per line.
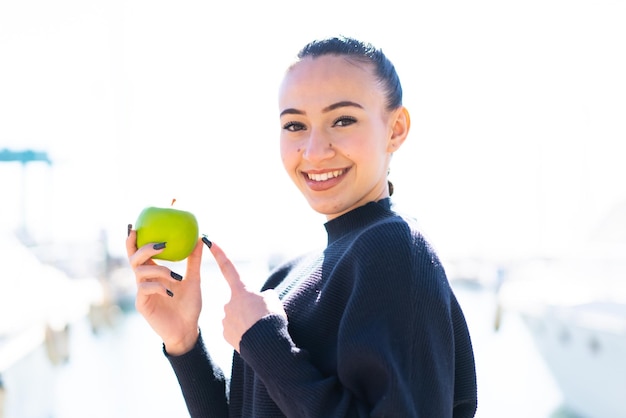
325, 176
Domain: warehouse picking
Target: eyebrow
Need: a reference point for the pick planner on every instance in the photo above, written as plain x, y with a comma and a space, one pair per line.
344, 103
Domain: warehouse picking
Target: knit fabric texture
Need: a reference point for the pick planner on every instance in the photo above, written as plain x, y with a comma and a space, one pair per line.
373, 330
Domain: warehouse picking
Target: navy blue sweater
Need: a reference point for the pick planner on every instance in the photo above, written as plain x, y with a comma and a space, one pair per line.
373, 330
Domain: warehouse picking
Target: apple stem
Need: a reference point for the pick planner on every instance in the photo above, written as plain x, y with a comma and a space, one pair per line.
173, 200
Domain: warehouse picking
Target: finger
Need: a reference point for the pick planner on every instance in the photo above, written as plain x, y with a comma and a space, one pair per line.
147, 289
194, 261
153, 272
228, 269
131, 249
131, 242
144, 254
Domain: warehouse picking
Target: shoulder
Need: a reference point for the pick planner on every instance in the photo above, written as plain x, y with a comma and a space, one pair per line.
397, 233
395, 251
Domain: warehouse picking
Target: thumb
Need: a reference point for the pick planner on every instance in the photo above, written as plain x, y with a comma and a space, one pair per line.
227, 268
194, 261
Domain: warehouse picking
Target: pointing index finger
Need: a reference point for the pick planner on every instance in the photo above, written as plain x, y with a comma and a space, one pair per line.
227, 268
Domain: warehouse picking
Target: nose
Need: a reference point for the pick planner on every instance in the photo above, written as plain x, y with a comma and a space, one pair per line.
318, 147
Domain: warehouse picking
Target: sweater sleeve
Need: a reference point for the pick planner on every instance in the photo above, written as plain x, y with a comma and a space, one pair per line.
295, 385
202, 382
395, 348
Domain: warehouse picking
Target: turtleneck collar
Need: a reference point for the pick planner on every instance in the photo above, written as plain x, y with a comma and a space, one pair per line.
357, 219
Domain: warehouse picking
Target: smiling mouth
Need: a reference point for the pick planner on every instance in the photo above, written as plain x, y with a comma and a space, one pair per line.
325, 176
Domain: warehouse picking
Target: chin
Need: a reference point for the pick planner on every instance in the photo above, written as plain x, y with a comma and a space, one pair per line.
330, 209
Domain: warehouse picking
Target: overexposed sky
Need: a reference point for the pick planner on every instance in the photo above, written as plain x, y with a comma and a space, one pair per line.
518, 116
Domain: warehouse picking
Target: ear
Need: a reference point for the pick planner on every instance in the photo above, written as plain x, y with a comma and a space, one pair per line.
400, 125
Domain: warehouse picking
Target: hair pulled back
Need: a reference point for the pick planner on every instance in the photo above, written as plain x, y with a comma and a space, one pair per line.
363, 52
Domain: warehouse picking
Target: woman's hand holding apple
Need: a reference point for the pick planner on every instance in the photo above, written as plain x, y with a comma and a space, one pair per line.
171, 306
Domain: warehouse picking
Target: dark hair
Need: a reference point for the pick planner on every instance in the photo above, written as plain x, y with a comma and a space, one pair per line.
362, 52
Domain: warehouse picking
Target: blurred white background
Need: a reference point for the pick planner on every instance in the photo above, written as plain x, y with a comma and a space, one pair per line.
517, 109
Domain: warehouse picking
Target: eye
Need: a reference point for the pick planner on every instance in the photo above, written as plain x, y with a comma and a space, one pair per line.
344, 121
294, 126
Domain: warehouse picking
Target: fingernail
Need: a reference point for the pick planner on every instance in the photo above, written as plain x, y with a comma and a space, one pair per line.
206, 241
176, 276
169, 293
159, 246
130, 226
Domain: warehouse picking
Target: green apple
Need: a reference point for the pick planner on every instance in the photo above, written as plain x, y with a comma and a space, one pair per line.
177, 228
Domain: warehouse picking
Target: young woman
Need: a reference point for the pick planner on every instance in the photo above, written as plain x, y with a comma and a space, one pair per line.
369, 327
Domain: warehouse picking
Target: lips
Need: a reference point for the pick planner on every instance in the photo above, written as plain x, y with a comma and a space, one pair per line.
324, 181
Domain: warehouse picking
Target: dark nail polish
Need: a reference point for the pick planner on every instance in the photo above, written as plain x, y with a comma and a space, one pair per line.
130, 226
169, 293
159, 246
206, 241
176, 276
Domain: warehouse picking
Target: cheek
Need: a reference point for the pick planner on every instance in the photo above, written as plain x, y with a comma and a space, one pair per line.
289, 153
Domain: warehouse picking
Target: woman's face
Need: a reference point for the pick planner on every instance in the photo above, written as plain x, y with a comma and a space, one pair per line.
337, 136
